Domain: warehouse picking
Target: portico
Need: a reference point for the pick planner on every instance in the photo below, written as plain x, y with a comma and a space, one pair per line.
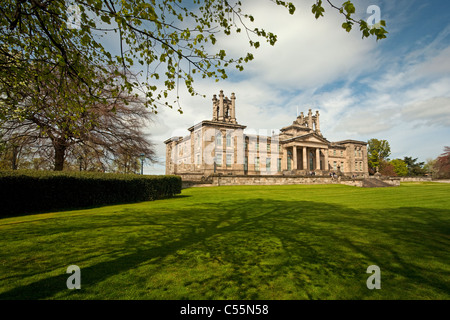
304, 158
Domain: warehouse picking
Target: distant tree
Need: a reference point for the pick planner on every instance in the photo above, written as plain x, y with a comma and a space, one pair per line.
414, 168
442, 165
15, 151
387, 169
400, 167
429, 167
87, 157
112, 125
378, 151
126, 162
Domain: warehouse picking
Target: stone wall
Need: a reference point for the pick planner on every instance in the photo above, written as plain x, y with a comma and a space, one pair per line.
191, 176
415, 179
194, 180
392, 181
353, 183
270, 180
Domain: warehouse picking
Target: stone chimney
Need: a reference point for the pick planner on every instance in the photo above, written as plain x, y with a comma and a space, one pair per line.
318, 123
221, 107
233, 108
310, 120
214, 100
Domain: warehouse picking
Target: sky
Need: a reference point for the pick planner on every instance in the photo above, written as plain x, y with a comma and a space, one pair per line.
397, 89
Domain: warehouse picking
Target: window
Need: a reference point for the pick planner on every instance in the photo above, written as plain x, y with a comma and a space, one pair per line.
360, 166
268, 146
267, 164
246, 164
342, 153
334, 165
356, 166
279, 164
257, 164
246, 145
229, 159
198, 140
257, 146
334, 152
342, 166
219, 139
228, 140
219, 159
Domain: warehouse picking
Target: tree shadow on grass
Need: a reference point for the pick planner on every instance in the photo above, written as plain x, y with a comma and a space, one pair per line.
74, 208
263, 241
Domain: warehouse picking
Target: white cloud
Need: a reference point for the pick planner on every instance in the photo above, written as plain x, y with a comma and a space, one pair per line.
309, 52
434, 111
438, 65
364, 123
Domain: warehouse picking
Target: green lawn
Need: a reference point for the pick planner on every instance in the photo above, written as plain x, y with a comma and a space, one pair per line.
243, 242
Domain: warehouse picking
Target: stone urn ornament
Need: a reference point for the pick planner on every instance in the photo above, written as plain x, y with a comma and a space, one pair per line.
377, 174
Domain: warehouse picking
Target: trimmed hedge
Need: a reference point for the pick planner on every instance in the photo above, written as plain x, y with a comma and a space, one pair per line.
23, 192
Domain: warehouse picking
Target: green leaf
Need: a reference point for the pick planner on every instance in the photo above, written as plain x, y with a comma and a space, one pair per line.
347, 26
106, 19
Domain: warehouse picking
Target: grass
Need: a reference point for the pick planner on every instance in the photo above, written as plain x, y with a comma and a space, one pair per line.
243, 242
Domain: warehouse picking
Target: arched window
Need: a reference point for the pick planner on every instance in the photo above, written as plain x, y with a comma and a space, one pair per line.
219, 139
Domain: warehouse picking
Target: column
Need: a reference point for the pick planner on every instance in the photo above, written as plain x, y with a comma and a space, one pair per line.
192, 150
294, 157
317, 159
326, 167
224, 150
284, 160
175, 158
305, 159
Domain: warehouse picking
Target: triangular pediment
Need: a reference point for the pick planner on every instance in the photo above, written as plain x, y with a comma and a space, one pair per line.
310, 137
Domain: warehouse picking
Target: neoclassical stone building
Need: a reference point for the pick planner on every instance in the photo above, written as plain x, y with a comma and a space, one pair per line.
220, 146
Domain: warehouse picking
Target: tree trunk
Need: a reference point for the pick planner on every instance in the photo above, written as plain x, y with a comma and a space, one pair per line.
14, 157
60, 154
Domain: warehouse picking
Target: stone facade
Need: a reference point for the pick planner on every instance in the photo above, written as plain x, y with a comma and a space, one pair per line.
221, 147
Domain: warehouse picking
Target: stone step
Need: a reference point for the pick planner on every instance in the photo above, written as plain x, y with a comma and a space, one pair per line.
374, 183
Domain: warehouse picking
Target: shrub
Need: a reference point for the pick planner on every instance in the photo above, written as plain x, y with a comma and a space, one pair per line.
24, 192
